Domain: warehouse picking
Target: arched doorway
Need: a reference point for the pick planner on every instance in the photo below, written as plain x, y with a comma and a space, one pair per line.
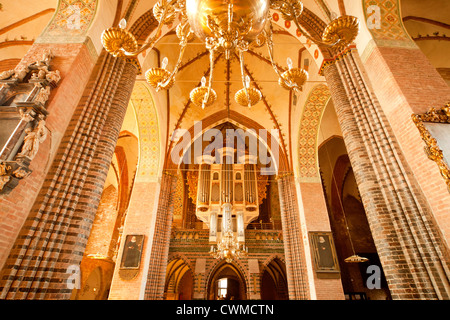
273, 281
349, 223
179, 281
227, 283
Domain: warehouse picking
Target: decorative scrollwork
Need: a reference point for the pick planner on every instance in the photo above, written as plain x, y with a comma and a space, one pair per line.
432, 149
290, 9
163, 12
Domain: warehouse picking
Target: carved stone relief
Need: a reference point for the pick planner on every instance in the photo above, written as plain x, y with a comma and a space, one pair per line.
24, 94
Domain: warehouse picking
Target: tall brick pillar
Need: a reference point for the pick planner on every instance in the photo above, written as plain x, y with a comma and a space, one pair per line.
411, 251
55, 234
154, 288
293, 239
75, 62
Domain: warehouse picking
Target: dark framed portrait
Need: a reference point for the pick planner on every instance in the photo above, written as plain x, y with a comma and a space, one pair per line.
132, 250
323, 252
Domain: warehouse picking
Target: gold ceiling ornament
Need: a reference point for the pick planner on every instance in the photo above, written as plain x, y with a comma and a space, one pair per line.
164, 13
118, 40
290, 9
230, 27
254, 96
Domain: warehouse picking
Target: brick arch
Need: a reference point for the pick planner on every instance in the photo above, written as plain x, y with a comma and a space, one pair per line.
314, 25
392, 30
144, 26
169, 277
149, 133
270, 259
218, 264
180, 256
309, 130
266, 264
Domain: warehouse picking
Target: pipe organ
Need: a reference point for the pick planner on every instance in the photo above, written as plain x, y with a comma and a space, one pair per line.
227, 195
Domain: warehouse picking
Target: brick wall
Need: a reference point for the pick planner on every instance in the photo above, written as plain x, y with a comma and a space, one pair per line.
405, 83
75, 64
317, 219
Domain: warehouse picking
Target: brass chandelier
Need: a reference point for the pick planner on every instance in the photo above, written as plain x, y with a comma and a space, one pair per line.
228, 247
229, 27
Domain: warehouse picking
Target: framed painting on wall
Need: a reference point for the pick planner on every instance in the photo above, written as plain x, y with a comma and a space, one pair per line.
132, 250
324, 253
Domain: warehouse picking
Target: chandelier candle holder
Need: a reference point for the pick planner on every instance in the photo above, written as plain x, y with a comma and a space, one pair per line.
203, 96
293, 78
230, 27
248, 96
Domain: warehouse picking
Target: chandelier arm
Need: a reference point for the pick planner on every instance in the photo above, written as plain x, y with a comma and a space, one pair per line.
153, 41
272, 60
309, 37
244, 82
211, 67
294, 15
183, 45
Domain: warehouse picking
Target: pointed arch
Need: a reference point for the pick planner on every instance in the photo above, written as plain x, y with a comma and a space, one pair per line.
309, 130
216, 272
149, 133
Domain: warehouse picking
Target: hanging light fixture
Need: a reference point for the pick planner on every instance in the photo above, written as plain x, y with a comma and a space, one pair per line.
228, 247
231, 28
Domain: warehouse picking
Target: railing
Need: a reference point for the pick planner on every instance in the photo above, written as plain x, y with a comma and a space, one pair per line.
265, 226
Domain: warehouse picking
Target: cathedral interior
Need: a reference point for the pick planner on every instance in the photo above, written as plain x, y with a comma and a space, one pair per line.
224, 150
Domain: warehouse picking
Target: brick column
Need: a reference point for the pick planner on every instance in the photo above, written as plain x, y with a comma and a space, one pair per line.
293, 240
56, 232
75, 62
412, 254
154, 288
